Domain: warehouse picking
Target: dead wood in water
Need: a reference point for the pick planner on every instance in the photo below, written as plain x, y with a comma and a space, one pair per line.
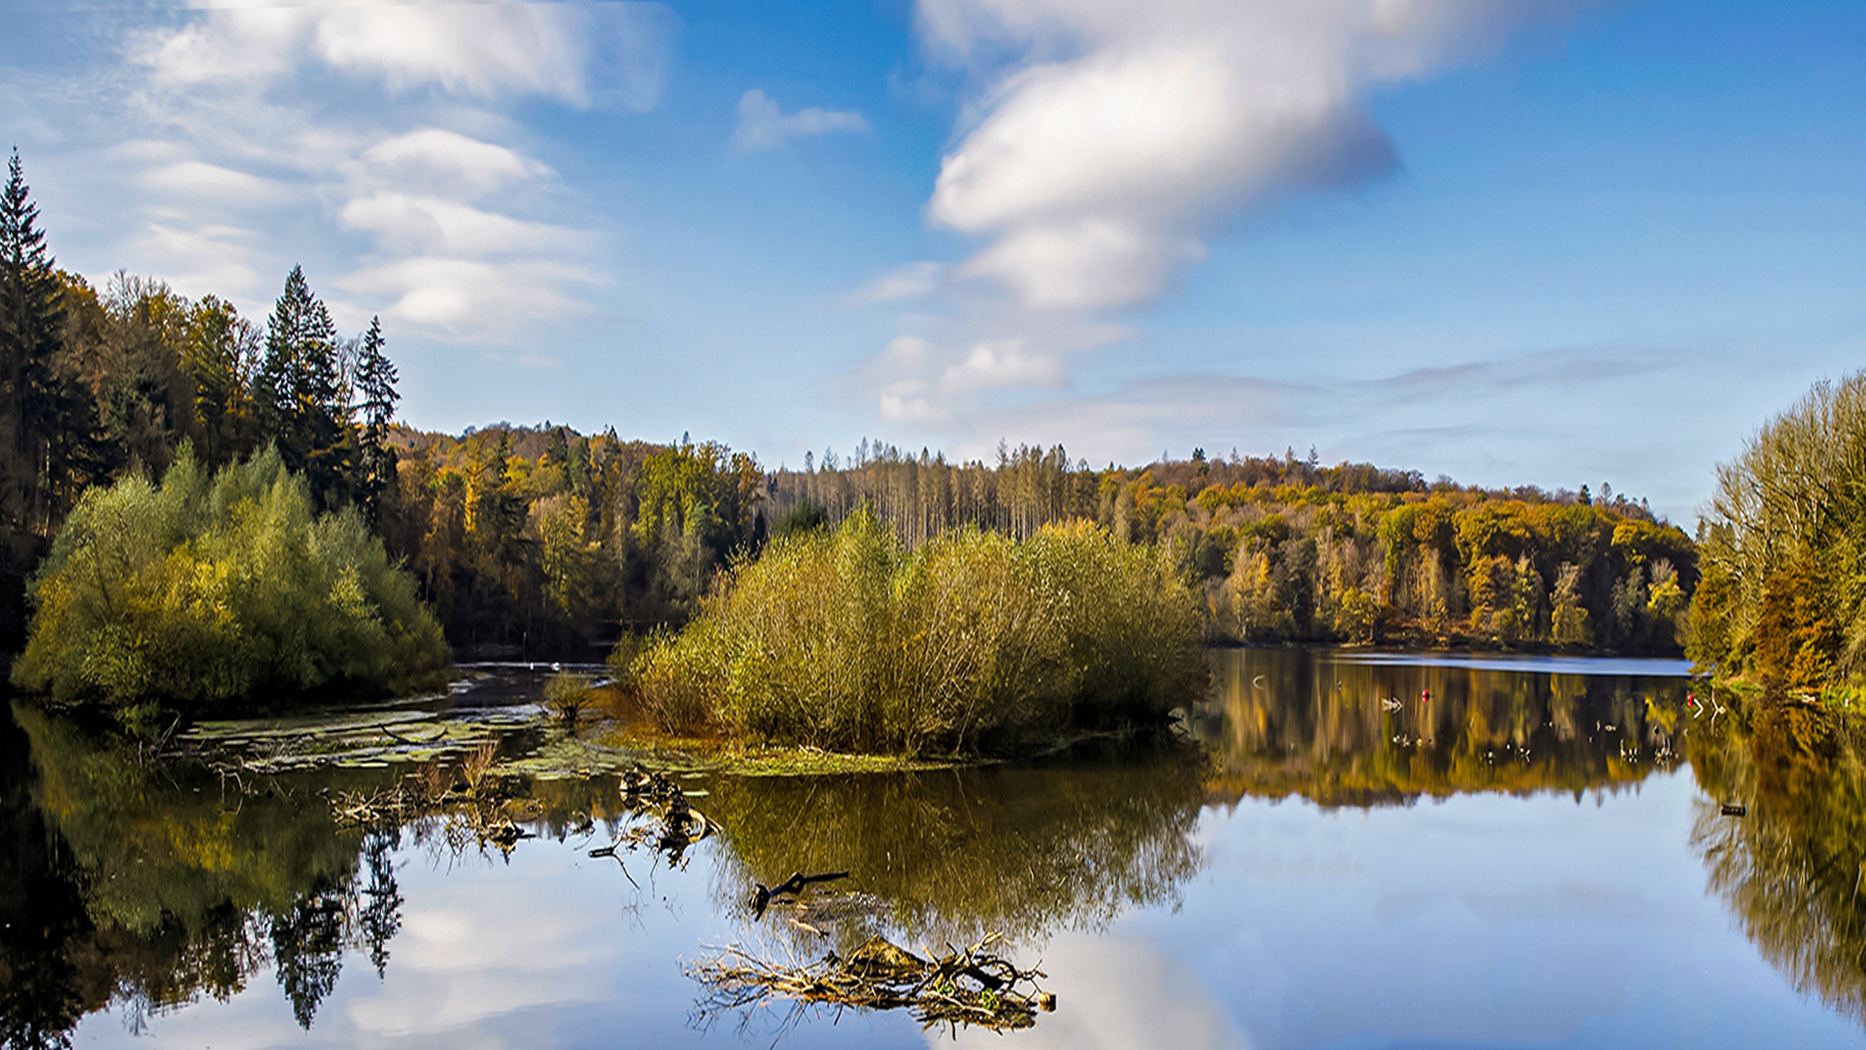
673, 822
478, 809
763, 895
973, 986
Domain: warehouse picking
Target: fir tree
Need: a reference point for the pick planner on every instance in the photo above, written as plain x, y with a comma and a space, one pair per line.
301, 392
376, 398
50, 446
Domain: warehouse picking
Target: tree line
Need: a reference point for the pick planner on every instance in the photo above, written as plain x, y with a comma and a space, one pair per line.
1287, 549
541, 540
1783, 602
521, 539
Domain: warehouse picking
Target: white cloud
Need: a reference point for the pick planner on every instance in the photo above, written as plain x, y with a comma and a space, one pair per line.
201, 256
199, 179
1007, 363
580, 54
473, 299
404, 223
1100, 157
447, 162
763, 125
1118, 992
912, 281
368, 141
1105, 142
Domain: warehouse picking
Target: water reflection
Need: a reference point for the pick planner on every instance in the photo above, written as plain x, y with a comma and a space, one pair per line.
140, 888
151, 888
1342, 729
1791, 868
952, 856
156, 885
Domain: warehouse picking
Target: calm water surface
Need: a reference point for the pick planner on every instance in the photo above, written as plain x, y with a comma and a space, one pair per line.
1533, 856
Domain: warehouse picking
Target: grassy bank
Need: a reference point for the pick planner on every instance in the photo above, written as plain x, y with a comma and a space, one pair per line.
850, 641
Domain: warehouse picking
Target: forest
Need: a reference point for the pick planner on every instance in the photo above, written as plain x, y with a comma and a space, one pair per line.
545, 541
541, 541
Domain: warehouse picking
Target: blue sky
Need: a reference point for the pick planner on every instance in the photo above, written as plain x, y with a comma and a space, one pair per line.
1543, 242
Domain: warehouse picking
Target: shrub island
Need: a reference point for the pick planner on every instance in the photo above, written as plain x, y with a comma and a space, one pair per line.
972, 642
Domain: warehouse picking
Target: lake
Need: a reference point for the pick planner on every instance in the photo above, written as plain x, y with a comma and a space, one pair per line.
1341, 849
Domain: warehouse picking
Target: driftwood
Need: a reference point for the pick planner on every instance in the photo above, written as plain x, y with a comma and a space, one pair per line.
675, 826
478, 810
763, 895
974, 986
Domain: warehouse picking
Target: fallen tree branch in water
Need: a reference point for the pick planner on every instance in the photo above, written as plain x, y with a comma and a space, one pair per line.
763, 895
676, 826
974, 986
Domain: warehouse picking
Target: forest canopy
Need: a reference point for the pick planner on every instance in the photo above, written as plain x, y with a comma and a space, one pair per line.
540, 541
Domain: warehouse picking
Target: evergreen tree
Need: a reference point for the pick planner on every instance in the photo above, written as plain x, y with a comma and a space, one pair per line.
301, 392
376, 398
50, 446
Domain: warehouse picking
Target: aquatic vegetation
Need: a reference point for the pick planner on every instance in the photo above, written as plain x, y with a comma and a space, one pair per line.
851, 641
215, 591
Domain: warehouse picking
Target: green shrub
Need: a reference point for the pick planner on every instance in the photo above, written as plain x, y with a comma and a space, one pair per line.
848, 640
211, 592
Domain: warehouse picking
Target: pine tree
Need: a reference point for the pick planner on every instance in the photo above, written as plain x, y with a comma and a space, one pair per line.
376, 398
301, 392
49, 441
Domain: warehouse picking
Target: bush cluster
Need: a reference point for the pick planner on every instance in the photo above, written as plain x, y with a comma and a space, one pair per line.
220, 587
850, 640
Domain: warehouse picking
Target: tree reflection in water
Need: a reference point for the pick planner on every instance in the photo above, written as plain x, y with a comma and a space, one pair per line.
141, 886
1340, 732
954, 855
1790, 869
138, 884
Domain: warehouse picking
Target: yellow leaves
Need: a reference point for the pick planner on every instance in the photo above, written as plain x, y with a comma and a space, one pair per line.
346, 593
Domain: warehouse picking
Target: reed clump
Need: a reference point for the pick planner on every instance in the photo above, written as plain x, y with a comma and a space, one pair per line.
851, 641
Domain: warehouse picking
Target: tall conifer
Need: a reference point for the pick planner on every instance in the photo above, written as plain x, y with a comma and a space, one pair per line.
49, 441
376, 398
301, 391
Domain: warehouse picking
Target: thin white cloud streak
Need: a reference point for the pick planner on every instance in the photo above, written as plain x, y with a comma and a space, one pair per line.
579, 54
764, 125
912, 281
